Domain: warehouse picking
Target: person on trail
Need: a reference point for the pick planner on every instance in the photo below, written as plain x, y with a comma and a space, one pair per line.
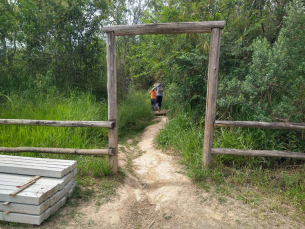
153, 94
160, 89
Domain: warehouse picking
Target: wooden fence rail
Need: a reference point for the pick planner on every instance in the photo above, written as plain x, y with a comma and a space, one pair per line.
28, 122
257, 153
270, 125
57, 150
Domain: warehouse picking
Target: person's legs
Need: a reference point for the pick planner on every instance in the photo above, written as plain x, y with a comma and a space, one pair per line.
159, 101
152, 102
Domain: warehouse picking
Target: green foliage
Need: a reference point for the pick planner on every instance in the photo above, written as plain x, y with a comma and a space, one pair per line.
56, 38
274, 87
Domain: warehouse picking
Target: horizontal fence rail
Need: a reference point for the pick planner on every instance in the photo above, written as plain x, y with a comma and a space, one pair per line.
164, 28
270, 125
28, 122
57, 150
257, 153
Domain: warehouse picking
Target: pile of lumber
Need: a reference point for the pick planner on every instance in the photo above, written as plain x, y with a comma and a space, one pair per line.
32, 189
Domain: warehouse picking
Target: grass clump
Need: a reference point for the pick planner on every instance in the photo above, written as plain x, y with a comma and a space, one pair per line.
275, 178
133, 116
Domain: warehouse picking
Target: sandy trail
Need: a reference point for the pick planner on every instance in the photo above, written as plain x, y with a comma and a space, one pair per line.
156, 195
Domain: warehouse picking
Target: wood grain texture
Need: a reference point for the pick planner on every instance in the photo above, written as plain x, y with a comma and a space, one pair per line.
270, 125
164, 28
57, 150
257, 153
112, 99
28, 122
211, 96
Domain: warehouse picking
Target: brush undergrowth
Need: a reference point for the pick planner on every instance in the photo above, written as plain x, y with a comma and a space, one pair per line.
275, 178
133, 116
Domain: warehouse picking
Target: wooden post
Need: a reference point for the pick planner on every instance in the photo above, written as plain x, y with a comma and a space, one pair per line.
211, 96
112, 98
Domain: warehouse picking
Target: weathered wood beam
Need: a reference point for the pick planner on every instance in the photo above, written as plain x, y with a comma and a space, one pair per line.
211, 96
28, 122
257, 153
270, 125
57, 150
164, 28
112, 99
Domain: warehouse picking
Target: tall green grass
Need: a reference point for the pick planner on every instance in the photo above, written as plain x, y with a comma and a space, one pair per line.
133, 116
275, 176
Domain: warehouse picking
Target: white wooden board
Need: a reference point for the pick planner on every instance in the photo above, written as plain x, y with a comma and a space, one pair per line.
35, 194
36, 219
35, 166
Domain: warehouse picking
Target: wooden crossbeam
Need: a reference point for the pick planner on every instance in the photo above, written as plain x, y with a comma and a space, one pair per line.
57, 150
270, 125
28, 122
164, 28
258, 153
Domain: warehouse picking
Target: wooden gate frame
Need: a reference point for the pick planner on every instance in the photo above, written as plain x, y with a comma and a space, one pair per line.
213, 27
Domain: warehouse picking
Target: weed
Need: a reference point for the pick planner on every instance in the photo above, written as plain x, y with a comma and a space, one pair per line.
203, 199
138, 226
167, 217
90, 223
222, 200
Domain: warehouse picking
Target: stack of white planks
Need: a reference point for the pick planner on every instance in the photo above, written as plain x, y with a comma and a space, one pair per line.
32, 189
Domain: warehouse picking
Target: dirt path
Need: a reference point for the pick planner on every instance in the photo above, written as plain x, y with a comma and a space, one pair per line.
156, 195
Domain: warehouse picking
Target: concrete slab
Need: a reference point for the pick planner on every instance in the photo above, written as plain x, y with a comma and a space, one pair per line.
36, 166
66, 162
60, 194
14, 179
34, 219
36, 209
33, 170
36, 193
